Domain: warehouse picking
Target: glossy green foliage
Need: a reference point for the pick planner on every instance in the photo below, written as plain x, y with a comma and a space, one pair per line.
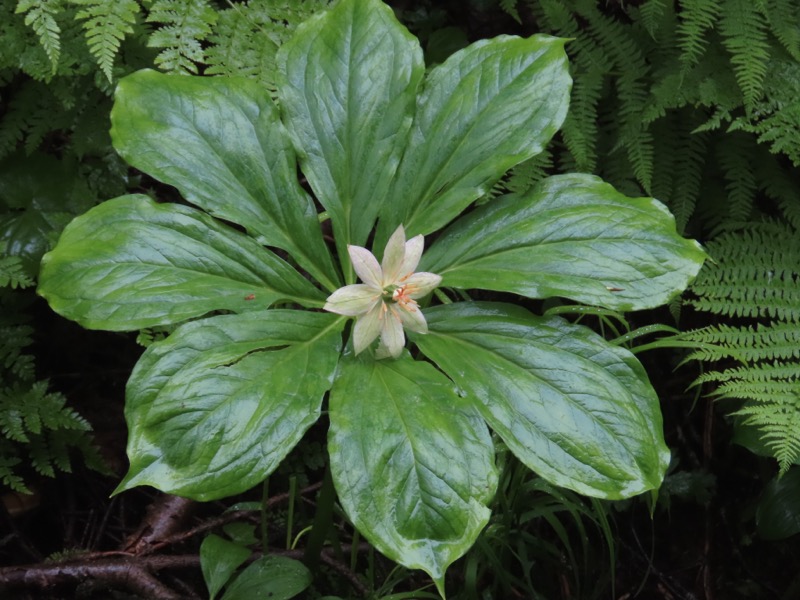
273, 577
226, 143
572, 236
484, 110
573, 408
131, 263
412, 461
348, 113
219, 559
216, 406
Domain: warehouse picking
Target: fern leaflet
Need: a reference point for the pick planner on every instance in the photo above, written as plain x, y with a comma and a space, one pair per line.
184, 26
106, 24
756, 275
248, 35
510, 7
697, 17
40, 16
744, 30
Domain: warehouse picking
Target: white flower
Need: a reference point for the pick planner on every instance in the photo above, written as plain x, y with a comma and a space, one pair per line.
386, 302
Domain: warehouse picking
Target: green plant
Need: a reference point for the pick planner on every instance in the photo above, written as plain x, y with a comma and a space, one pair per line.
540, 540
274, 576
215, 407
754, 280
707, 91
58, 61
689, 97
38, 196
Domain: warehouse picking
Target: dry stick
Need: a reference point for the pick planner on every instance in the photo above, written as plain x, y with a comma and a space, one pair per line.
220, 521
132, 573
165, 516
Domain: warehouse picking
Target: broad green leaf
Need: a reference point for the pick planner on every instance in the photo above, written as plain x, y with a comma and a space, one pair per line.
131, 263
485, 109
221, 143
572, 236
219, 558
272, 577
213, 409
778, 511
412, 462
347, 89
575, 409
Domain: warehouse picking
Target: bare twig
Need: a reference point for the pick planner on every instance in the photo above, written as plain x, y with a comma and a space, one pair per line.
165, 516
132, 573
230, 517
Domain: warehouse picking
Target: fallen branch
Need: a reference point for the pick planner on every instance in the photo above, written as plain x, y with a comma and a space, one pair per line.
165, 517
132, 573
220, 521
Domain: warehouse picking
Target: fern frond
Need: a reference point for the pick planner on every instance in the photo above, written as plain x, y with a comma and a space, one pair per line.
7, 475
107, 22
697, 17
784, 22
679, 164
12, 424
580, 128
33, 416
510, 8
775, 118
651, 12
778, 420
247, 37
525, 175
688, 177
781, 185
624, 51
776, 372
184, 25
12, 273
40, 16
771, 341
744, 30
735, 154
780, 130
15, 338
755, 274
31, 113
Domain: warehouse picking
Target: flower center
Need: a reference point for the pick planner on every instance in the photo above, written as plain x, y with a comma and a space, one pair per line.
400, 295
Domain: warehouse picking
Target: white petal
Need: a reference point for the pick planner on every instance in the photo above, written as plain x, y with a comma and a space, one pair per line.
392, 335
422, 283
352, 300
368, 327
393, 256
366, 266
412, 318
381, 352
414, 248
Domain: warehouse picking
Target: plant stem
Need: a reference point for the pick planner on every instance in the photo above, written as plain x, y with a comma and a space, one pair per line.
264, 528
290, 516
323, 520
